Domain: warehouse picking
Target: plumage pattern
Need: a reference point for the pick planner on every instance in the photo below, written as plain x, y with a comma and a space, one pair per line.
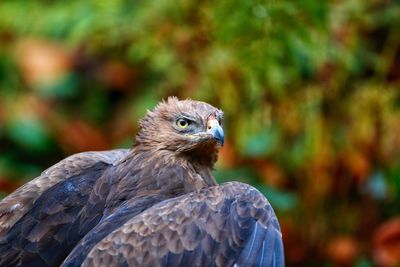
157, 204
218, 226
14, 206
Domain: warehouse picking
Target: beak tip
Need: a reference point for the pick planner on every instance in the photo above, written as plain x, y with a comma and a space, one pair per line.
216, 130
218, 134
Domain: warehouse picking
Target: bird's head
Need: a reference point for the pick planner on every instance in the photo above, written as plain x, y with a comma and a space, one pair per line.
184, 126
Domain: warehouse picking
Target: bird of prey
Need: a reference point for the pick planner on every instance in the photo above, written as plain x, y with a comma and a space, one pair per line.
156, 204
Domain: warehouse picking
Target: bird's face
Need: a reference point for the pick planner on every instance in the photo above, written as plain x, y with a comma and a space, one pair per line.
183, 126
199, 129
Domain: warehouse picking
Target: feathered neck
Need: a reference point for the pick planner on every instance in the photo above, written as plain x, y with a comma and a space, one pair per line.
194, 169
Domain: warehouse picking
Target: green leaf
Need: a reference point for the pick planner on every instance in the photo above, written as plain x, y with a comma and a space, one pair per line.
280, 200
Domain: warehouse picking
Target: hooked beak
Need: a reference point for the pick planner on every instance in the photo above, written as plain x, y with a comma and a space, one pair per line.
216, 130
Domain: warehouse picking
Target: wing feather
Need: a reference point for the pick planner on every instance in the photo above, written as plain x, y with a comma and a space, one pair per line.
15, 205
39, 234
231, 224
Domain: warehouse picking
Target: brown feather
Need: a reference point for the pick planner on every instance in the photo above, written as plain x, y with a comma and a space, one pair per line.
146, 247
156, 204
15, 205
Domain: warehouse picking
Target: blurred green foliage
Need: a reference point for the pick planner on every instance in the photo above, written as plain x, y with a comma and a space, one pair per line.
310, 91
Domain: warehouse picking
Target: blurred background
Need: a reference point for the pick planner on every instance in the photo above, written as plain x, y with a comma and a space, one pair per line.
310, 90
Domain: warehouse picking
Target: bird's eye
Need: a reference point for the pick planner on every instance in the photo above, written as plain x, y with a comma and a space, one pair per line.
182, 123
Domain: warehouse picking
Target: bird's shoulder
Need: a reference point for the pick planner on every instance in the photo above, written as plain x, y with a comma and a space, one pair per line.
220, 225
15, 205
